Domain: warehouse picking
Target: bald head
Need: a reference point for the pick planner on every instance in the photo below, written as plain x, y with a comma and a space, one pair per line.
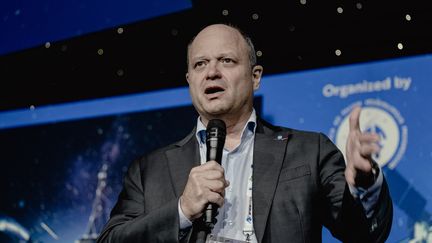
222, 77
216, 30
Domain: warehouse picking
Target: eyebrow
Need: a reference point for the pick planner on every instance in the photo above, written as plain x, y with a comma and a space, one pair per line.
230, 53
198, 58
223, 54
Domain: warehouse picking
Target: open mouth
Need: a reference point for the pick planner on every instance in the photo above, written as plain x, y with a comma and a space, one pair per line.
213, 90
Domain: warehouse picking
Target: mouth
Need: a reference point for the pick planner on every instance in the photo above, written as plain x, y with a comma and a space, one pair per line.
213, 90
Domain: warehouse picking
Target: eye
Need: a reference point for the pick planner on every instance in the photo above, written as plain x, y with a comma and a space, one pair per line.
227, 60
199, 64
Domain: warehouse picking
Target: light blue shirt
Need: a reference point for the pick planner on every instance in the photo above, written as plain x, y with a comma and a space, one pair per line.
238, 168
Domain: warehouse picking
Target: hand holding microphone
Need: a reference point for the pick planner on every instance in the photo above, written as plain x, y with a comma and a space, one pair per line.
205, 188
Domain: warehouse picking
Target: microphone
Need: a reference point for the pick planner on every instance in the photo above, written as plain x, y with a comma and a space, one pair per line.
215, 141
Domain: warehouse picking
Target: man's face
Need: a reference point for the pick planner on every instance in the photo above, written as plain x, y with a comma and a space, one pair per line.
221, 80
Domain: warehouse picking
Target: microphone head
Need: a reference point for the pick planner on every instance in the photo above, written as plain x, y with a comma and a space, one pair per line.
216, 128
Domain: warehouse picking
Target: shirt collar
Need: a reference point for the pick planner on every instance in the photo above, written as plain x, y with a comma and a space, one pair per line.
201, 129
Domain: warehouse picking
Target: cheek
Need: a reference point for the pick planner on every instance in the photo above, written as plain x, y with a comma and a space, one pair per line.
196, 94
244, 87
193, 85
193, 93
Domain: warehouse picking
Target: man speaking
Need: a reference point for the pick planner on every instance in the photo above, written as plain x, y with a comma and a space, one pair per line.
274, 184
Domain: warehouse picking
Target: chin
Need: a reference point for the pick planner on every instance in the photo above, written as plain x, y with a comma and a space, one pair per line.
215, 108
215, 111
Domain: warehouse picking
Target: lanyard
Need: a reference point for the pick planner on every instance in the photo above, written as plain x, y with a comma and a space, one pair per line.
248, 229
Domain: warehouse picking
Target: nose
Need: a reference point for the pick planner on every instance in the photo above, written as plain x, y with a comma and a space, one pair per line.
213, 71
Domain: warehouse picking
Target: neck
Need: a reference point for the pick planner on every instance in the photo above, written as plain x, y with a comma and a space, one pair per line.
234, 127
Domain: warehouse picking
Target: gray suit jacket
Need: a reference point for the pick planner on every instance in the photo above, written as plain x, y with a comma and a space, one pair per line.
298, 186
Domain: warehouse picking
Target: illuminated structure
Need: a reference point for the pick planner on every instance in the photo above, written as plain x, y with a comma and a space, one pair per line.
99, 213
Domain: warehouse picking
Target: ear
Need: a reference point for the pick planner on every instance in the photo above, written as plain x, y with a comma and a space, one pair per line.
257, 71
187, 77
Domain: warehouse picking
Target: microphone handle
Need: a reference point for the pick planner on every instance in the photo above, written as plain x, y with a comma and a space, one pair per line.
201, 236
210, 215
212, 154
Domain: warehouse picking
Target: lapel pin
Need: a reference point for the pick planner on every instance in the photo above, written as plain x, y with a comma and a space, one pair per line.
280, 138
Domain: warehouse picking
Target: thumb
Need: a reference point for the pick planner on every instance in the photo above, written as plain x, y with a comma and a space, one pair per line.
354, 119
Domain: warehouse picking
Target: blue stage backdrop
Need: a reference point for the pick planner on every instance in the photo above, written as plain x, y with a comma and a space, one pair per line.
27, 24
62, 165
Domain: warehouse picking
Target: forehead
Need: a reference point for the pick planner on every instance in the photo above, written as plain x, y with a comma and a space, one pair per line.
218, 39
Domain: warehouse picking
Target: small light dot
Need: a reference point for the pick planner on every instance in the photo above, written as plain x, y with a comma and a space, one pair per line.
32, 107
100, 52
359, 6
408, 17
255, 16
259, 53
303, 2
99, 131
400, 46
174, 32
21, 203
340, 10
120, 31
338, 52
291, 28
17, 12
225, 12
47, 45
120, 72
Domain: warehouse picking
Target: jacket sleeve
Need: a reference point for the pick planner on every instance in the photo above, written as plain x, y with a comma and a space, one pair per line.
345, 216
129, 221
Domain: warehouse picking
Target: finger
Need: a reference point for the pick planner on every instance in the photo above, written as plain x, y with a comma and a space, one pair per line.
214, 197
354, 119
206, 167
369, 138
212, 165
213, 175
216, 185
227, 183
361, 162
363, 165
366, 150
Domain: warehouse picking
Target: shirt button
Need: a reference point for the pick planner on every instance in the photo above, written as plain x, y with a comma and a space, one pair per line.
230, 223
373, 226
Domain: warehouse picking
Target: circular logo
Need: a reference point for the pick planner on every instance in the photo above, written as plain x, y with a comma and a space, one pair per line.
377, 117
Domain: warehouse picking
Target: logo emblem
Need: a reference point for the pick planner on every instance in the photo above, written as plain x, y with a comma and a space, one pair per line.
378, 117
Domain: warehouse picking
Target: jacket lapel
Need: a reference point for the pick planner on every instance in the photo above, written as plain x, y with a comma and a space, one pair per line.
269, 151
181, 159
